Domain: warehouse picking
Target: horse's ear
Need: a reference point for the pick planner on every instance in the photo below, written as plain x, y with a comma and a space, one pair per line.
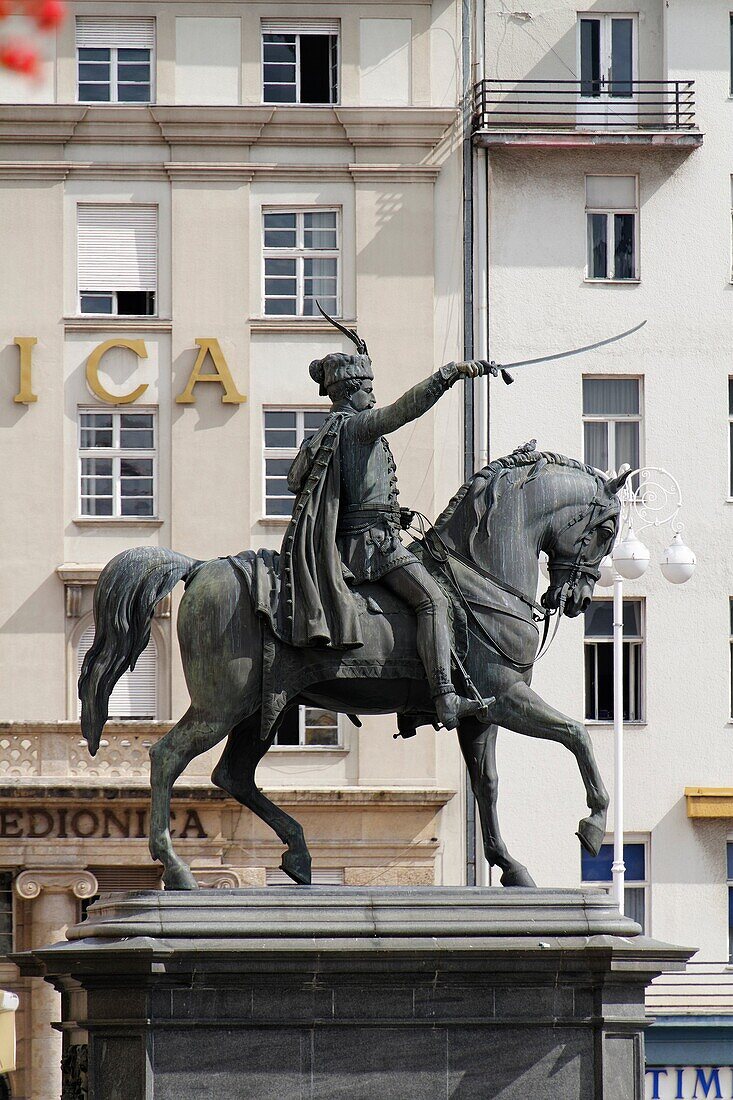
615, 483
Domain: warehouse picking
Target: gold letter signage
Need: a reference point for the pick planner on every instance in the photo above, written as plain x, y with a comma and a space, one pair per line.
25, 394
138, 346
210, 346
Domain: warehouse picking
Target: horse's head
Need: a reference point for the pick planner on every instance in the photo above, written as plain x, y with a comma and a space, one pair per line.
580, 536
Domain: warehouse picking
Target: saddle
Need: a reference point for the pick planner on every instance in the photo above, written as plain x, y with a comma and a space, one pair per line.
389, 651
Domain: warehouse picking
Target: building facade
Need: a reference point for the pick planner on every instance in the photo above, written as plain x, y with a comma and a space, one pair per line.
177, 191
604, 169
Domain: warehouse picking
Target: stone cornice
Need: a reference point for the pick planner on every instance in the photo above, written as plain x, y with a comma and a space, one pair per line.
57, 123
215, 172
75, 573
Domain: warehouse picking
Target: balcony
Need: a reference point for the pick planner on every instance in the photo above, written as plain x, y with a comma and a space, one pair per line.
570, 113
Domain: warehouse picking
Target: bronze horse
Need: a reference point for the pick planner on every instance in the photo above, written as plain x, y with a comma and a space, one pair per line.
488, 540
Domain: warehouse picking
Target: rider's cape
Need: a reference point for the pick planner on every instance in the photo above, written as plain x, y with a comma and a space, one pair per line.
316, 606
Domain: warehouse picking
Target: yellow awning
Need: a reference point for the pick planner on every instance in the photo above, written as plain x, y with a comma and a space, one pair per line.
709, 801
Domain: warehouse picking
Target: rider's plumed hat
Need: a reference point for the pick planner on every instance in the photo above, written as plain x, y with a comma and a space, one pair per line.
338, 367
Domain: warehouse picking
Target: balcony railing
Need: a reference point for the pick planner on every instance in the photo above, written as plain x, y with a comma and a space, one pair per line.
601, 105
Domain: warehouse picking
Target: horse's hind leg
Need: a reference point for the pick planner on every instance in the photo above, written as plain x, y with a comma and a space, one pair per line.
194, 734
235, 774
478, 745
524, 711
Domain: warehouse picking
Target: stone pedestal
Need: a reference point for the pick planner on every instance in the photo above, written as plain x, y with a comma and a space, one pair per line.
360, 993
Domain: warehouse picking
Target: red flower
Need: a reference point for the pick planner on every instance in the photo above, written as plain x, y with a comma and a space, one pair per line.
19, 58
49, 14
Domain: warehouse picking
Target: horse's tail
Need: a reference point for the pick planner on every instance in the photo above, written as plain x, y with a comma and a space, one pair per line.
129, 587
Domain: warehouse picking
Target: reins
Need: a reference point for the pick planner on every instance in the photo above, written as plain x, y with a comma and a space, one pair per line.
539, 614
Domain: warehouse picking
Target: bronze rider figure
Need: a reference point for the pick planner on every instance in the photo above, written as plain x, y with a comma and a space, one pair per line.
346, 528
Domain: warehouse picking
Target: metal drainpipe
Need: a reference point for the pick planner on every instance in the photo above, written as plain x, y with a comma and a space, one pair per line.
468, 386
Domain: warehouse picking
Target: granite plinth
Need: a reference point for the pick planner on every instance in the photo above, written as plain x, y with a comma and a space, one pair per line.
322, 993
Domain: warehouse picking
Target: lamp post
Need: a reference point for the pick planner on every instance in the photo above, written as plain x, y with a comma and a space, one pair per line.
651, 497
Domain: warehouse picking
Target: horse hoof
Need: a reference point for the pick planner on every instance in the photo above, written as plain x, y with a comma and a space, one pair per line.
590, 836
179, 878
519, 876
298, 867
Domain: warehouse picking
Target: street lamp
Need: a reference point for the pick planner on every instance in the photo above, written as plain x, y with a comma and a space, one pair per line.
650, 497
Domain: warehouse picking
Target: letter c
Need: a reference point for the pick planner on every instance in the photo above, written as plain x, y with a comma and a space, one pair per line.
138, 346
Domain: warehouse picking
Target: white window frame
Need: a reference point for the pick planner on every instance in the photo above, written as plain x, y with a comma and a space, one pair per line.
633, 884
610, 233
116, 453
113, 78
300, 254
105, 290
729, 880
334, 77
730, 655
302, 728
115, 308
154, 641
284, 452
730, 437
639, 643
611, 419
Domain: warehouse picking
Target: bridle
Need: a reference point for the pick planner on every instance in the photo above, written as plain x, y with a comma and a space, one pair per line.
429, 537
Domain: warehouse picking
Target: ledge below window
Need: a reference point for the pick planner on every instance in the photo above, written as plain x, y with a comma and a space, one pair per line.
273, 521
117, 521
117, 323
293, 324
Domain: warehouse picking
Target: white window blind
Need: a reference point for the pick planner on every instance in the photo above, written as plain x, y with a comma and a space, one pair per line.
122, 33
135, 693
610, 192
117, 247
300, 26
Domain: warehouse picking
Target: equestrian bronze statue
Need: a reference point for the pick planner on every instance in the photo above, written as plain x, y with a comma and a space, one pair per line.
447, 625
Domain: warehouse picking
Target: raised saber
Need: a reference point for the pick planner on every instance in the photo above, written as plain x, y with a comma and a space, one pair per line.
503, 368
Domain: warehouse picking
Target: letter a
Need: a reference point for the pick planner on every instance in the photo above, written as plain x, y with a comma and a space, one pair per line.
210, 346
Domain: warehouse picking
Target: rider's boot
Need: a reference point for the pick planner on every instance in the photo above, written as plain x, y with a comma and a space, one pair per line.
451, 708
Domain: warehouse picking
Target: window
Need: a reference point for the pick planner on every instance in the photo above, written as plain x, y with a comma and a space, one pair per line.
730, 607
729, 850
611, 213
730, 437
612, 422
285, 430
301, 250
115, 60
6, 912
300, 61
134, 696
599, 661
117, 462
117, 259
607, 61
595, 869
309, 727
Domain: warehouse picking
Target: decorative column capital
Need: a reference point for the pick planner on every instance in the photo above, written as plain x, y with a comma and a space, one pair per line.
82, 884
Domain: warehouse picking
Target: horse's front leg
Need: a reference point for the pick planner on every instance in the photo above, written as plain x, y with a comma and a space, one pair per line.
478, 745
521, 709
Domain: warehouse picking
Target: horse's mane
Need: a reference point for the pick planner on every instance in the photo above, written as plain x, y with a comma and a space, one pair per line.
523, 456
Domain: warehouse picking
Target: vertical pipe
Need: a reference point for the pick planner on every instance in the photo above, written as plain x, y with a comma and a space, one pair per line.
618, 867
469, 456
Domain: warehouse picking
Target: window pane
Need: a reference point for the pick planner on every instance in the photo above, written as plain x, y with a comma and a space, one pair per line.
634, 903
96, 437
597, 250
610, 192
330, 304
279, 47
280, 267
621, 56
94, 93
279, 74
627, 443
597, 868
93, 53
96, 303
277, 467
634, 858
280, 307
730, 923
136, 467
599, 619
136, 420
129, 54
610, 396
312, 421
315, 73
280, 438
279, 93
280, 418
132, 439
281, 287
94, 72
595, 436
590, 57
624, 266
137, 506
319, 229
321, 727
133, 93
96, 506
729, 852
6, 912
96, 467
279, 506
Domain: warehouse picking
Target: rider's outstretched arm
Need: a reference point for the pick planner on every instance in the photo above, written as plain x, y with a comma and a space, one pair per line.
373, 423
